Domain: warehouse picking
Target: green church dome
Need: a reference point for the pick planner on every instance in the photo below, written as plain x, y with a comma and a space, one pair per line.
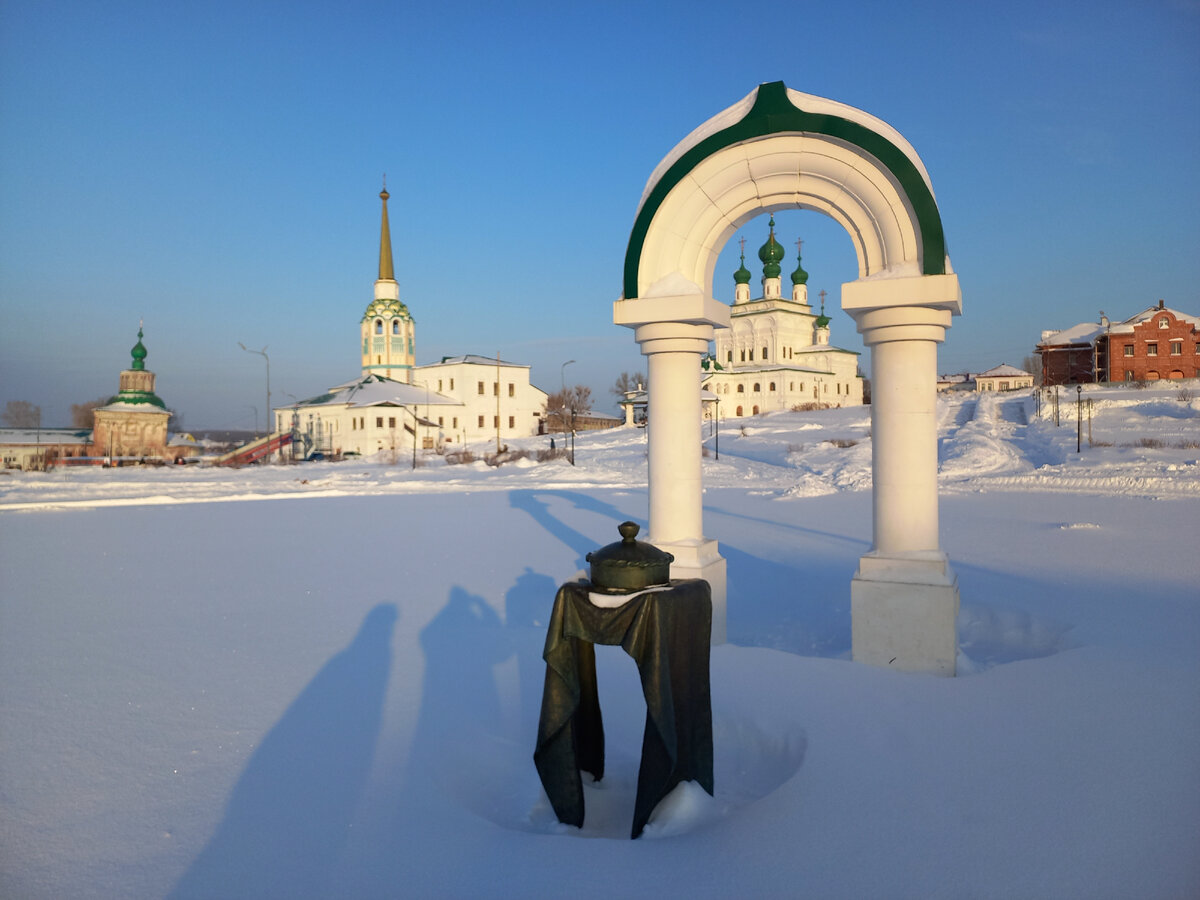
138, 353
771, 254
799, 276
742, 275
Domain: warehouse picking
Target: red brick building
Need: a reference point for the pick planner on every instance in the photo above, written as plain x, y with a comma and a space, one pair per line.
1156, 343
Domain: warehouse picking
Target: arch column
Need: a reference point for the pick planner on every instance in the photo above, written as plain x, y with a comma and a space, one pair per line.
673, 332
904, 595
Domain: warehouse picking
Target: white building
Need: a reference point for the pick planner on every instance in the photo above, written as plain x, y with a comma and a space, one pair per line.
776, 353
1003, 378
395, 404
497, 400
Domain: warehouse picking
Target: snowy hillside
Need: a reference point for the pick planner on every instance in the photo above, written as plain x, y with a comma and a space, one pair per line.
208, 692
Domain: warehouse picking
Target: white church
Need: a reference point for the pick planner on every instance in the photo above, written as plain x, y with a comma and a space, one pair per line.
398, 406
775, 355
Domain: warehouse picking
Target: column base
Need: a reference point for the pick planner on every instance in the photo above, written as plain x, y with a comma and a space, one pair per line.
904, 610
700, 559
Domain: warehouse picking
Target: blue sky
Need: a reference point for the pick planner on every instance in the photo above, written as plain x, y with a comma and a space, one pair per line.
214, 169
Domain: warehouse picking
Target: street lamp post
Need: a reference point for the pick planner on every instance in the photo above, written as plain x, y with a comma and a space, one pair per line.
263, 354
562, 415
1078, 416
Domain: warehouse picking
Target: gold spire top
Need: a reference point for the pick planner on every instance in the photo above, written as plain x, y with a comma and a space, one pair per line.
386, 272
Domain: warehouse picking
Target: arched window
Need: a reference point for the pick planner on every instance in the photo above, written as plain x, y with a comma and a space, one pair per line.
729, 356
395, 326
764, 353
379, 326
755, 410
743, 356
741, 390
739, 411
771, 386
757, 388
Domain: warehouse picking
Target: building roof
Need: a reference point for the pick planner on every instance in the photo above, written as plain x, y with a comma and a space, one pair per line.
472, 359
1087, 332
1149, 313
375, 390
1004, 371
45, 436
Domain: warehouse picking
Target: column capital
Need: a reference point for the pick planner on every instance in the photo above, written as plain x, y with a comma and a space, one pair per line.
686, 309
932, 291
902, 323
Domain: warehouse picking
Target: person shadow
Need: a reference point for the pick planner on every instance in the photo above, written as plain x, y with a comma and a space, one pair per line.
288, 817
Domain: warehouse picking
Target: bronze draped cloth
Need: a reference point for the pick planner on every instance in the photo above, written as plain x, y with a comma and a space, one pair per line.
667, 633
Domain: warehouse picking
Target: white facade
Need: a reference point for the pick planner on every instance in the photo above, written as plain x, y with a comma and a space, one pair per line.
1003, 378
496, 398
369, 416
775, 355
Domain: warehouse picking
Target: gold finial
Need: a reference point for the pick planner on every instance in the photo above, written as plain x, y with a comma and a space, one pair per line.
384, 193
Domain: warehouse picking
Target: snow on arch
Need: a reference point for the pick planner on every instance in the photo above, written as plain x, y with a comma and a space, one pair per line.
782, 149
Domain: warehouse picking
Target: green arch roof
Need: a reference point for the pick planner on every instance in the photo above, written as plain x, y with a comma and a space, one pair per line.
774, 113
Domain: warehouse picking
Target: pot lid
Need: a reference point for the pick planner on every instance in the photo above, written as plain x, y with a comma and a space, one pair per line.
628, 553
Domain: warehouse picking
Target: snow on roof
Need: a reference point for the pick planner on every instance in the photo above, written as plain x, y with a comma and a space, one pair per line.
1004, 370
1149, 313
375, 390
1083, 333
954, 379
472, 359
45, 436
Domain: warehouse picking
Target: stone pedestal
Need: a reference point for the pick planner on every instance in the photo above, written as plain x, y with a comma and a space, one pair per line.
903, 611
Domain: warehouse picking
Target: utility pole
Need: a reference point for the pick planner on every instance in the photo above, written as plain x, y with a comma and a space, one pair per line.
1078, 416
497, 401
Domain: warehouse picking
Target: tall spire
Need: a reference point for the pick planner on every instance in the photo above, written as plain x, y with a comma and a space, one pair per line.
386, 272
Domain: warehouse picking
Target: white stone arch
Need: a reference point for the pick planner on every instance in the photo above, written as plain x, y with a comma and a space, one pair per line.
780, 149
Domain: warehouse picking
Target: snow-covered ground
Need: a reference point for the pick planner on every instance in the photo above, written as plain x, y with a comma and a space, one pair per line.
206, 692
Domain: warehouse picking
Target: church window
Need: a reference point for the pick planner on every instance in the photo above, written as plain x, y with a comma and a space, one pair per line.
512, 422
729, 356
495, 421
481, 421
481, 388
741, 390
379, 421
451, 384
792, 386
378, 359
743, 356
391, 421
755, 410
395, 326
751, 356
495, 389
454, 422
439, 421
379, 326
764, 354
739, 411
511, 389
354, 425
757, 388
771, 386
439, 385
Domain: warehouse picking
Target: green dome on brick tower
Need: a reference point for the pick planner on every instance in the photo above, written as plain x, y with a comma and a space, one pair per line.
771, 254
138, 353
742, 275
799, 276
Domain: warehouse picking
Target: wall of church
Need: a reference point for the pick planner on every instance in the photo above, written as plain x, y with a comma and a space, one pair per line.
130, 433
506, 402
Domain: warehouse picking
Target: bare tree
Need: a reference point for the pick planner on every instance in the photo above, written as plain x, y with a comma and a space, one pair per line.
81, 413
563, 406
21, 414
627, 382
